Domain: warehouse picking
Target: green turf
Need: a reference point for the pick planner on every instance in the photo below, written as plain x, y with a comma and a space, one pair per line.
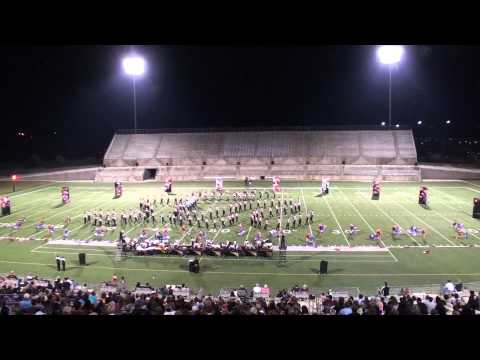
348, 202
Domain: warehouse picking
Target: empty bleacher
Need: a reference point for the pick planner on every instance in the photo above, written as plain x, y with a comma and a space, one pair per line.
302, 154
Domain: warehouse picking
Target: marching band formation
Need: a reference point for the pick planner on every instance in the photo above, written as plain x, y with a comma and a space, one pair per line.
277, 217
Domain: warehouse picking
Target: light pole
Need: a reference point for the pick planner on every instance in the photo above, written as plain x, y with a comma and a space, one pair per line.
134, 66
390, 55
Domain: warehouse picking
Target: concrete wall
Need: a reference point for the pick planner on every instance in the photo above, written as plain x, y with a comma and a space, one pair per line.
300, 172
448, 173
63, 175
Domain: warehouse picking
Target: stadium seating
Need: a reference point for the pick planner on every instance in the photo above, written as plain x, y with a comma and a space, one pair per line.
347, 155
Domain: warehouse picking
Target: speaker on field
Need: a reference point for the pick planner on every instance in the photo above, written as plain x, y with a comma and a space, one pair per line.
82, 259
323, 267
476, 208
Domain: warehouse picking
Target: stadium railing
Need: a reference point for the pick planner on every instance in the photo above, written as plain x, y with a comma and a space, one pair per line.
240, 129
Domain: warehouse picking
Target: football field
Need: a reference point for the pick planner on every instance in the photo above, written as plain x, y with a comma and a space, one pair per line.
403, 261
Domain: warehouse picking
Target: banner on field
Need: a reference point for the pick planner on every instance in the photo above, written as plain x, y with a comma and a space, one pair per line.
65, 194
219, 184
276, 184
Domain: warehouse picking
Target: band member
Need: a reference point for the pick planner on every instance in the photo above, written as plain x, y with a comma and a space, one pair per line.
352, 230
63, 262
423, 232
311, 240
423, 196
322, 228
168, 186
413, 231
396, 230
242, 230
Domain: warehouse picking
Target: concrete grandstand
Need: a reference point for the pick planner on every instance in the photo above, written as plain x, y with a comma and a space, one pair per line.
303, 155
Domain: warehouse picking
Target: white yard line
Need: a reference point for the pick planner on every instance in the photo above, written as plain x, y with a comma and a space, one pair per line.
430, 226
474, 190
38, 247
30, 192
368, 224
248, 233
382, 275
48, 247
281, 216
467, 182
306, 212
454, 199
218, 232
391, 219
186, 233
333, 214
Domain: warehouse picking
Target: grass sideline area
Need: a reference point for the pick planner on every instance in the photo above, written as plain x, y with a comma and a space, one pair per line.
403, 264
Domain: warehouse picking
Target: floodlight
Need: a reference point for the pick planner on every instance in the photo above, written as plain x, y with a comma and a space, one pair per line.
419, 122
383, 123
447, 122
390, 54
134, 65
397, 126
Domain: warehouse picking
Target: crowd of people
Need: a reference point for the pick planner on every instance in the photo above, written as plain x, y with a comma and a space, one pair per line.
31, 295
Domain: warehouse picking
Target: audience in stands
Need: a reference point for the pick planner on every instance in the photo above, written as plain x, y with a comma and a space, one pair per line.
34, 296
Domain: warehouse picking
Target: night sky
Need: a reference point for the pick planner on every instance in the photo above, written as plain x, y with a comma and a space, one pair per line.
81, 94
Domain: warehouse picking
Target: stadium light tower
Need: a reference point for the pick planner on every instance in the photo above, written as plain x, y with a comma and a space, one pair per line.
390, 55
134, 66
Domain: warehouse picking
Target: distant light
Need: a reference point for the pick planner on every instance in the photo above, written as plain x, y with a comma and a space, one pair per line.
397, 126
134, 65
419, 122
448, 122
383, 123
54, 133
390, 54
14, 177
